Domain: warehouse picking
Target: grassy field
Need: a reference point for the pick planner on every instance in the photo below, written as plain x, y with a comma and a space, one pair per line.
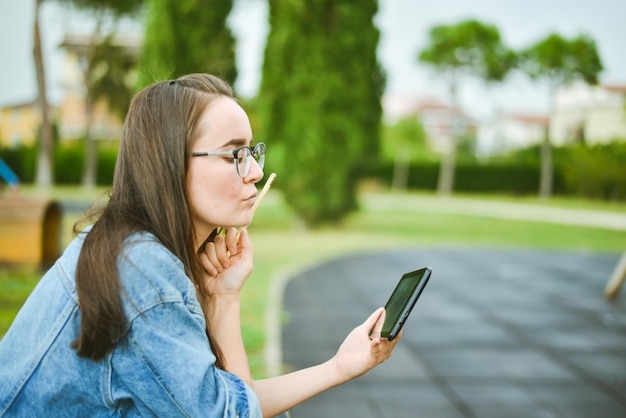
281, 243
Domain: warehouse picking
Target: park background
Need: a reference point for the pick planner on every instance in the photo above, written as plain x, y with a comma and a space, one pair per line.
392, 184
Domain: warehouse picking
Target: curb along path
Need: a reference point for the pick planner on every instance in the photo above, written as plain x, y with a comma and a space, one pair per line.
495, 209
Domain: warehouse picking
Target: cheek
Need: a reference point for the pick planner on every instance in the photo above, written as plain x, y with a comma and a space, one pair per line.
209, 193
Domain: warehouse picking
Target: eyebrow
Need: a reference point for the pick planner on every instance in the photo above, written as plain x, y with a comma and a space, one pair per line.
236, 142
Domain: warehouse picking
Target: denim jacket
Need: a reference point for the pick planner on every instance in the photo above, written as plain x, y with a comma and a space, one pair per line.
163, 366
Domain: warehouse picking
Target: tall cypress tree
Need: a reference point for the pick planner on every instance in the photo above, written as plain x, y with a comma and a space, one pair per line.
320, 102
187, 36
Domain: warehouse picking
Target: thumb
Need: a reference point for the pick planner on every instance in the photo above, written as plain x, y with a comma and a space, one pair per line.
373, 318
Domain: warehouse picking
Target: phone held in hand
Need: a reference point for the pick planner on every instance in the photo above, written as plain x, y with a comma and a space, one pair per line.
400, 303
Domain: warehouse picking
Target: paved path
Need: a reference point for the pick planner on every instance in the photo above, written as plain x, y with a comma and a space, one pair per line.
496, 333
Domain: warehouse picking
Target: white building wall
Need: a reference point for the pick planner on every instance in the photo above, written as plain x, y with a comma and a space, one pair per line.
594, 114
506, 133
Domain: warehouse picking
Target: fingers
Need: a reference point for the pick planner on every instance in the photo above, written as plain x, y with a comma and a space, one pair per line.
244, 244
209, 268
218, 255
382, 349
231, 240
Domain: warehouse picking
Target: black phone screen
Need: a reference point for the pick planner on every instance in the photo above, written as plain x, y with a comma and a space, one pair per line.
402, 300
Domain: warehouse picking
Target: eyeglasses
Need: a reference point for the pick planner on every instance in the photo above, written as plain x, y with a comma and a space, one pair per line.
241, 157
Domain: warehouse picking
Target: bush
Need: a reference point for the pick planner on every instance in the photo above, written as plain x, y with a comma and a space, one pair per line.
597, 172
22, 160
69, 162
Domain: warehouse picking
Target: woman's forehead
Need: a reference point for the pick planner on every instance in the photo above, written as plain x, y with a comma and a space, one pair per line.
224, 123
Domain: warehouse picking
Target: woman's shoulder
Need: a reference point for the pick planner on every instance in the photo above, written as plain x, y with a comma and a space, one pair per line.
153, 275
145, 248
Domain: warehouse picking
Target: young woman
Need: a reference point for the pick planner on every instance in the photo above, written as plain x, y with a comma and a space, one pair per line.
140, 315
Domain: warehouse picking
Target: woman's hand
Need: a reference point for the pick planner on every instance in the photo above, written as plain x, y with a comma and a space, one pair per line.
358, 353
228, 262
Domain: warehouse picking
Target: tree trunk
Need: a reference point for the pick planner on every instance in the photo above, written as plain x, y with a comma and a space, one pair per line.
91, 152
546, 173
545, 182
400, 171
445, 182
44, 160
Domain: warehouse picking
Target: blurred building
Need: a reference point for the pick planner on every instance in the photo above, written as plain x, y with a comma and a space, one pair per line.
19, 123
441, 122
589, 114
73, 117
582, 114
506, 132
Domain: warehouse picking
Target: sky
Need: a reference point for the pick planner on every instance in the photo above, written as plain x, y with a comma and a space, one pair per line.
404, 26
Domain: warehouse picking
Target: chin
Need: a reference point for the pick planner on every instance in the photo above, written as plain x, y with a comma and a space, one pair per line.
238, 224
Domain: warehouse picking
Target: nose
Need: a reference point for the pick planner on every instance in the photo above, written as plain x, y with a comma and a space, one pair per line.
256, 172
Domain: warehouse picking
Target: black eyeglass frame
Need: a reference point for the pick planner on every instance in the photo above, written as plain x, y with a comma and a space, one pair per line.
259, 149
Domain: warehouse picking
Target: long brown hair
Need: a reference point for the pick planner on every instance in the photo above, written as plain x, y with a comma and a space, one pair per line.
148, 194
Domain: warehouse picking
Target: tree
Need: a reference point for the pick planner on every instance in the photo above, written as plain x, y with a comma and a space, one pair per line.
187, 36
320, 102
45, 161
558, 61
99, 61
113, 76
468, 48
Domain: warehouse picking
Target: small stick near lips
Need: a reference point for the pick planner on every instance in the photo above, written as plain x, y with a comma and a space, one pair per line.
261, 195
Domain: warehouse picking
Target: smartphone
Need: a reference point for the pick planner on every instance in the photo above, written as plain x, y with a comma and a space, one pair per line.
400, 303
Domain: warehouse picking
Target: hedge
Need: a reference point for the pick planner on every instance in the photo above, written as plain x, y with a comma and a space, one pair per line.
597, 172
69, 162
476, 177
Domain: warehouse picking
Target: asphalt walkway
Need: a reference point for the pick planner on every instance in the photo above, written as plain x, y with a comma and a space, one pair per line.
496, 333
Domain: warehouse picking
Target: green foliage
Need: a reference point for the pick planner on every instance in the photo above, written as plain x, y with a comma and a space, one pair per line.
187, 36
469, 46
69, 162
472, 177
112, 75
116, 8
597, 171
594, 172
15, 286
320, 102
559, 60
591, 172
22, 161
406, 136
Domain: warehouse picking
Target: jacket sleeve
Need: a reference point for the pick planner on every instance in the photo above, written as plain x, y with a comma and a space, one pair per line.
165, 363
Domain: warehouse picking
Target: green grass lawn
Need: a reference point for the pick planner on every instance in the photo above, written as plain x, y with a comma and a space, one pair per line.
280, 242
